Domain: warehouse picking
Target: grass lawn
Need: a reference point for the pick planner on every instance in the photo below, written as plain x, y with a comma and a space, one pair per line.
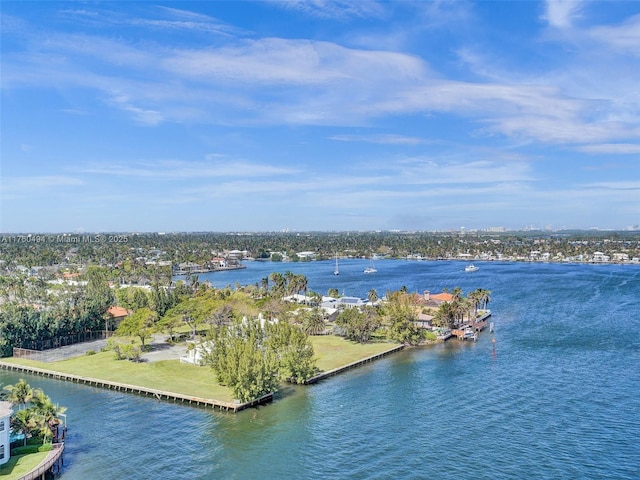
333, 352
168, 375
20, 465
173, 376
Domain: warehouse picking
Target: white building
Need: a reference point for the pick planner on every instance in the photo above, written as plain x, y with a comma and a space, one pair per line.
5, 415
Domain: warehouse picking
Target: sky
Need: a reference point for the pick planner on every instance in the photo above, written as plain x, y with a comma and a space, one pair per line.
319, 115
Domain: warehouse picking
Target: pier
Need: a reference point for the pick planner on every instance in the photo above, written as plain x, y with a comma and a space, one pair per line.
123, 387
470, 330
52, 462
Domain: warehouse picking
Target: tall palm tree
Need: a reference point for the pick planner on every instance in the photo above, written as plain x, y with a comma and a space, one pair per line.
24, 422
20, 393
48, 413
313, 322
485, 297
372, 296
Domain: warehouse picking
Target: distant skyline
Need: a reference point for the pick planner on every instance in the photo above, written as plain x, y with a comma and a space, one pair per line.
319, 115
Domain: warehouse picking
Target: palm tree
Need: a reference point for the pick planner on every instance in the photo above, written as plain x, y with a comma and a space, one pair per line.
313, 322
24, 422
20, 393
279, 283
484, 297
372, 296
47, 413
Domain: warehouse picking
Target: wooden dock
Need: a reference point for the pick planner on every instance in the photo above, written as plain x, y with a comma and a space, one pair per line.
336, 371
49, 464
123, 387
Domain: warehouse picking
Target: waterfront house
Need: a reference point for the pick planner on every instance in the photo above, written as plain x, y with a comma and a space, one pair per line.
350, 302
5, 415
435, 300
117, 314
424, 321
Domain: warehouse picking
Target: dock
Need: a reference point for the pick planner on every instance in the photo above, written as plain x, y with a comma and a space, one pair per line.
336, 371
123, 387
49, 464
470, 330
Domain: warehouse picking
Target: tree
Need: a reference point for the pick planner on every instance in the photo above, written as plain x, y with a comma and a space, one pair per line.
48, 412
20, 393
278, 287
293, 351
401, 317
39, 417
24, 422
358, 325
445, 316
372, 296
241, 361
313, 322
140, 324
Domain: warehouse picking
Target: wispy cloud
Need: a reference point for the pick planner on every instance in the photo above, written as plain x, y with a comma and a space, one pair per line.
615, 148
27, 186
381, 138
335, 9
216, 167
562, 13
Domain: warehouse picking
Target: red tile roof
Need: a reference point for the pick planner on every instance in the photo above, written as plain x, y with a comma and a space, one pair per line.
442, 297
118, 311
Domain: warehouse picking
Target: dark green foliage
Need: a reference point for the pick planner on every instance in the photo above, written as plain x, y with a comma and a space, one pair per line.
23, 450
358, 325
401, 318
252, 360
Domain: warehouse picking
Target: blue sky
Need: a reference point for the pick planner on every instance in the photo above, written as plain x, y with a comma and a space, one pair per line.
319, 115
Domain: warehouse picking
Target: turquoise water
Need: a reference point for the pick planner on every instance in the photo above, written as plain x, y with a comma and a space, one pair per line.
558, 398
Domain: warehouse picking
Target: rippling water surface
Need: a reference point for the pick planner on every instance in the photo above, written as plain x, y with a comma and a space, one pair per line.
558, 397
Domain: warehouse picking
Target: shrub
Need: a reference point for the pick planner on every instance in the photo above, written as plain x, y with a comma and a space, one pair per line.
32, 449
90, 352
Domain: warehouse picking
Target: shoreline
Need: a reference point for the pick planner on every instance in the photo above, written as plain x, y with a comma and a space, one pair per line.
136, 389
183, 398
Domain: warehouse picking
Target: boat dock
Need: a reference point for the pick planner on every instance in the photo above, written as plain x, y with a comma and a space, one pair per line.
470, 330
123, 387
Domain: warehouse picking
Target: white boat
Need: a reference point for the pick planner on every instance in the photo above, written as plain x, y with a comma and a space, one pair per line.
336, 271
370, 268
471, 268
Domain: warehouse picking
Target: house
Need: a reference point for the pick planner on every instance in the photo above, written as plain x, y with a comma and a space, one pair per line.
435, 300
117, 314
424, 321
350, 302
5, 415
196, 353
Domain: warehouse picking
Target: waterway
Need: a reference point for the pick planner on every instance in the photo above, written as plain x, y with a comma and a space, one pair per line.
556, 396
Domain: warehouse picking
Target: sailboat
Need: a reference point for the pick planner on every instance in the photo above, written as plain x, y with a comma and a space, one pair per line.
336, 271
370, 268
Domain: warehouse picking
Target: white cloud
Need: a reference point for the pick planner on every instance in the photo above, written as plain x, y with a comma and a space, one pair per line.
215, 167
25, 186
613, 148
335, 9
562, 13
624, 38
388, 139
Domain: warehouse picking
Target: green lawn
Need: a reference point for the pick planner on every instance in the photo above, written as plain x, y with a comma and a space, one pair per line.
173, 376
168, 375
333, 352
20, 465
